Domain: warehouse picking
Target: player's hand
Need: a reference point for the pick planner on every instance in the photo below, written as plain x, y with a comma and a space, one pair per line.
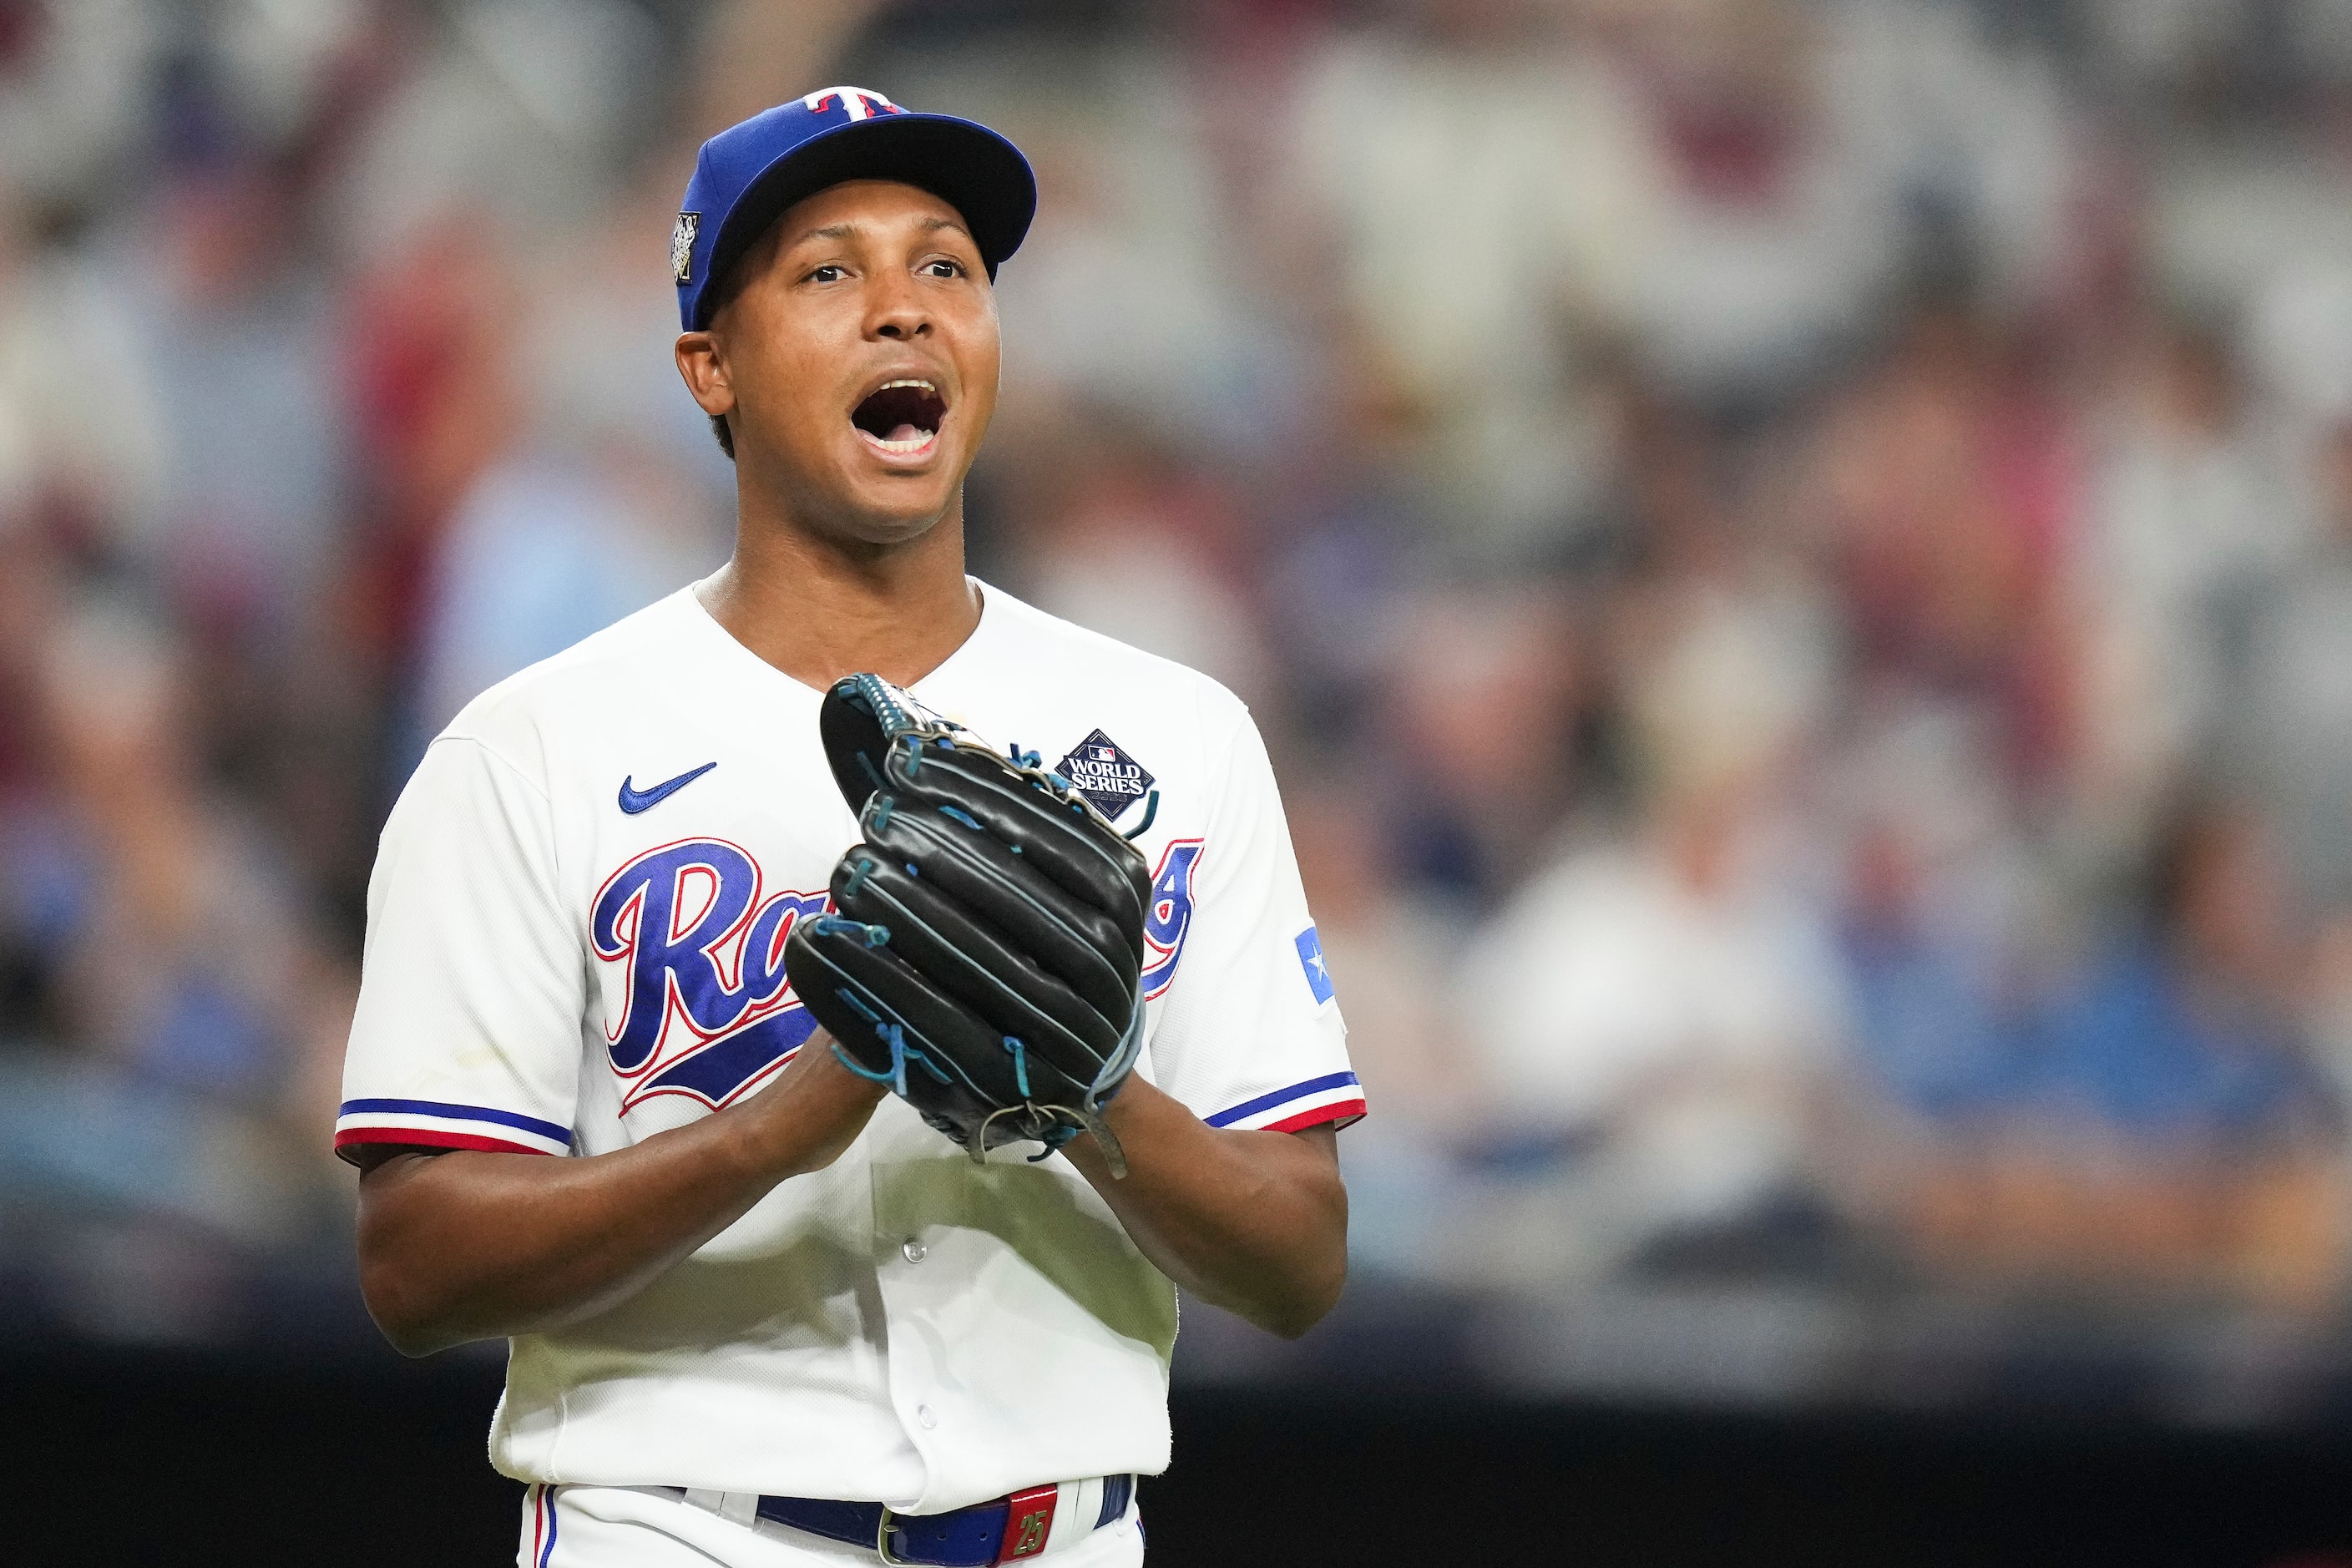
810, 1115
983, 949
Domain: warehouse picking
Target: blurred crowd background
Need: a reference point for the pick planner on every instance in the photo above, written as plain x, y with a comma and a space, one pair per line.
1795, 558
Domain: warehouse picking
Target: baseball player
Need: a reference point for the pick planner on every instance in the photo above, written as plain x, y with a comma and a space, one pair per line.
765, 1305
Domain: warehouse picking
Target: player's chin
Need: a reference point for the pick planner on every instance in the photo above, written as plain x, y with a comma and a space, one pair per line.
893, 504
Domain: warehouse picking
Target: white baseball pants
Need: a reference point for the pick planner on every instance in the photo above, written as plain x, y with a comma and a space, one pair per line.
650, 1527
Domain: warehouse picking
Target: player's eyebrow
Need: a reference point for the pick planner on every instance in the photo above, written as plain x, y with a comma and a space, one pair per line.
847, 230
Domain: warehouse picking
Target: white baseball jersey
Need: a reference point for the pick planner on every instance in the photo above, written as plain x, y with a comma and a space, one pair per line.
575, 940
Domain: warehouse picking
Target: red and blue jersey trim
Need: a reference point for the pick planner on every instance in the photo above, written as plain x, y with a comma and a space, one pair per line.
439, 1124
542, 1526
1334, 1097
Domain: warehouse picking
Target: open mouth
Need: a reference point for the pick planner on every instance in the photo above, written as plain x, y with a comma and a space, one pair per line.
901, 417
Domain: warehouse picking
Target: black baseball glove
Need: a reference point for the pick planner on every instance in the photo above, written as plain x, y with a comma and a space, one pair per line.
984, 951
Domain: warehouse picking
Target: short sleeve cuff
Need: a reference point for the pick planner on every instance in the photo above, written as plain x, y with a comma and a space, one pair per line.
1334, 1098
436, 1124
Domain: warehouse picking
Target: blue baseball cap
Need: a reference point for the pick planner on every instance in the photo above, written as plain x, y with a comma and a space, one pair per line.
749, 173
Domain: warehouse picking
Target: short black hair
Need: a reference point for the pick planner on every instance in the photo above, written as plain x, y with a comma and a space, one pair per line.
722, 294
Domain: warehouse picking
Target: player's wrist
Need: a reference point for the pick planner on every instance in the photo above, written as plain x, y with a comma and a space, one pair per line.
807, 1119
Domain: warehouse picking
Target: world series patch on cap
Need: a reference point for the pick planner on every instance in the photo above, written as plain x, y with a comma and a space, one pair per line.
749, 173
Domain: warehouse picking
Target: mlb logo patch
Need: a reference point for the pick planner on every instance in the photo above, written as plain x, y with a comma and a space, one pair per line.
1310, 959
1109, 779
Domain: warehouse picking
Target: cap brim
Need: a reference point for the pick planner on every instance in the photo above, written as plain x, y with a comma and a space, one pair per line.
979, 172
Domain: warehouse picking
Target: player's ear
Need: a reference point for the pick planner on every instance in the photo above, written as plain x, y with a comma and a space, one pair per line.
704, 371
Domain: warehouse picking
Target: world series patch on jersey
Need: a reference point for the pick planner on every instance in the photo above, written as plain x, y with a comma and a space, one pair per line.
576, 929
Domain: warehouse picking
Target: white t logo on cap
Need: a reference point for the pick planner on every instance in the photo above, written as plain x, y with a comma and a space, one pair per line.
860, 101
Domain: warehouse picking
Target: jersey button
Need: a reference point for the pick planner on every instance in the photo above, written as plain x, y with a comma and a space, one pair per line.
923, 1414
915, 1250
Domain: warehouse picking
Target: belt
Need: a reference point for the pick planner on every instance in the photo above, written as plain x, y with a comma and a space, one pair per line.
1009, 1528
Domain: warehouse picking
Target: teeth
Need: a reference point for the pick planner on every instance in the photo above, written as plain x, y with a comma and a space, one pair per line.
914, 446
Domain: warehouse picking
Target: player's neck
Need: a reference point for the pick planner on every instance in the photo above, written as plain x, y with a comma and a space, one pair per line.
819, 610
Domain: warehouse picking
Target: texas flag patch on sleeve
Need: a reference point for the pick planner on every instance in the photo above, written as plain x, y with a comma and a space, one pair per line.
1310, 959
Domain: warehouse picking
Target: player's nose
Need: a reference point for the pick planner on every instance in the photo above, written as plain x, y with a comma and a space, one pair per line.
896, 309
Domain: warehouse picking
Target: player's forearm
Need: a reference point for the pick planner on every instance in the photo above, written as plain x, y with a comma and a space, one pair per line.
1254, 1222
471, 1245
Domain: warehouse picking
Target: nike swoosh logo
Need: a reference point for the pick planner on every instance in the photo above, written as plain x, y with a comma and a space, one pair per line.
634, 801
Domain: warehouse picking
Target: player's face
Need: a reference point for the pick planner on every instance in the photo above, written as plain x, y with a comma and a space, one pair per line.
858, 363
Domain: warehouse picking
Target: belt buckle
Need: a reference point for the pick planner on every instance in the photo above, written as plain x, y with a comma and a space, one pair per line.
1034, 1525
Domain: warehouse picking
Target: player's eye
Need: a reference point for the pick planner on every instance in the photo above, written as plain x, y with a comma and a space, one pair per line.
940, 266
829, 273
